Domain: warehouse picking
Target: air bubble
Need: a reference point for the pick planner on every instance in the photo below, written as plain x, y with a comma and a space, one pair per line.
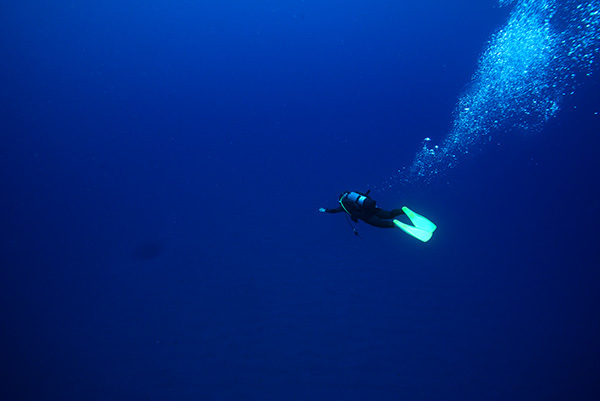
530, 64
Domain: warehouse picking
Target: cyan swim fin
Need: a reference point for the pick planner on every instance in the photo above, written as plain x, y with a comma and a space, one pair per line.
414, 231
423, 227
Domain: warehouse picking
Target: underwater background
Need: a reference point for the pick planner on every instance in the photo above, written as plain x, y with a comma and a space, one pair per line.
162, 165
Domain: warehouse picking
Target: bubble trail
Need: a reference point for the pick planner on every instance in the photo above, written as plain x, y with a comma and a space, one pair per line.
540, 56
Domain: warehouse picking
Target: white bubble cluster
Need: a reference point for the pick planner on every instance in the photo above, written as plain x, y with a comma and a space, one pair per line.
527, 69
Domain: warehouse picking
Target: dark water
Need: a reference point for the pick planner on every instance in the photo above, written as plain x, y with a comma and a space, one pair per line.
162, 164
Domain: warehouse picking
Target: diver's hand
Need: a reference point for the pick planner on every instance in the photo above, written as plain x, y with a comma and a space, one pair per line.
322, 210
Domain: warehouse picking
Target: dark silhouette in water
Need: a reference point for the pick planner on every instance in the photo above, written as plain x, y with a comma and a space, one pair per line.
147, 251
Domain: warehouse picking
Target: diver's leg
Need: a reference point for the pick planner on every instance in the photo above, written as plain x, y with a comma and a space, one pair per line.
377, 222
384, 214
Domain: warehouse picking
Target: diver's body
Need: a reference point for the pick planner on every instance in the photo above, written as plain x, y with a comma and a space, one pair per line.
361, 206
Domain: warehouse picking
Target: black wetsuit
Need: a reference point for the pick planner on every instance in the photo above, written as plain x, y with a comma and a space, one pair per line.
374, 216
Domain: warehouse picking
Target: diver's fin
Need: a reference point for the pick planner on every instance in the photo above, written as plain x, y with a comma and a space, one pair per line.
423, 227
419, 221
418, 233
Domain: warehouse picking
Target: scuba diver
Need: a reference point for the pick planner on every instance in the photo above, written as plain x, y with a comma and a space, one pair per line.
361, 206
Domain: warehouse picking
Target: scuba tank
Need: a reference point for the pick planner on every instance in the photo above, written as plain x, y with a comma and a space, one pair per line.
362, 200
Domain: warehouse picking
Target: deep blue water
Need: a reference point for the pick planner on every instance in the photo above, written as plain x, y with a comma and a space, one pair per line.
162, 166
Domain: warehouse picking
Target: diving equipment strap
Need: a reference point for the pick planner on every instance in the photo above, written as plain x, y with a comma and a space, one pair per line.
341, 200
349, 214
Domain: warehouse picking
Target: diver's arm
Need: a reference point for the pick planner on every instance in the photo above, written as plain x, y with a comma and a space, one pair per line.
328, 210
